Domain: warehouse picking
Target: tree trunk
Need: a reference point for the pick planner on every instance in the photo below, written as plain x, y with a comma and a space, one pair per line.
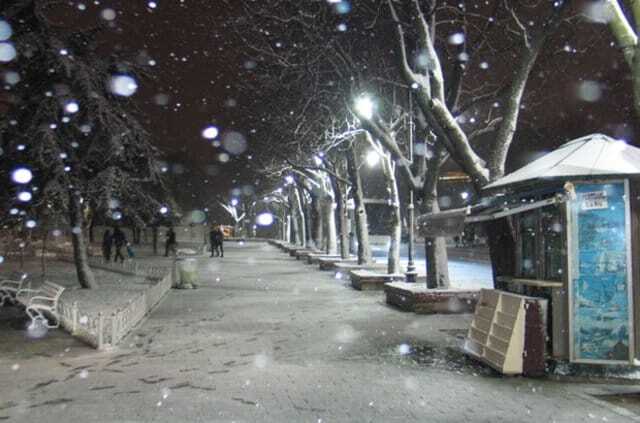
395, 220
43, 259
341, 207
286, 232
76, 220
154, 234
301, 215
344, 227
635, 78
353, 247
295, 228
361, 223
329, 220
317, 221
437, 259
308, 214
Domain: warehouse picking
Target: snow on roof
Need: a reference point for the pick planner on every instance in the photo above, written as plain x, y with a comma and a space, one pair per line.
592, 155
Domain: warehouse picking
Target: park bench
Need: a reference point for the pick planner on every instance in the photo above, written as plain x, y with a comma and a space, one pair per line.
43, 300
9, 287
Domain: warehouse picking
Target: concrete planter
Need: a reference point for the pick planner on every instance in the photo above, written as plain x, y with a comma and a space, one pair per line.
417, 298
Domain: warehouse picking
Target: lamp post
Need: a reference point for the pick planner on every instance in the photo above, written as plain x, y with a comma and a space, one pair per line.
411, 275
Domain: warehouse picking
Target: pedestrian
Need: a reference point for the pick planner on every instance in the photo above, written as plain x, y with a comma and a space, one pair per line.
213, 240
170, 243
107, 242
219, 238
119, 240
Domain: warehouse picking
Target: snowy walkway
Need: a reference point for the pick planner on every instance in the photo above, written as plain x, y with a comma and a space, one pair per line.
268, 338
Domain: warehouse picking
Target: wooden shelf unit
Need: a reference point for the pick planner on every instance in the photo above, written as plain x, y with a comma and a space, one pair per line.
508, 332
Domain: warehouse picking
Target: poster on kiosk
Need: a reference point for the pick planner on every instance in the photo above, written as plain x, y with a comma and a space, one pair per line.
600, 297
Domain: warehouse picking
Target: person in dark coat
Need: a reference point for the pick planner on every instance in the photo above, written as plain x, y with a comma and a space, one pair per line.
218, 235
170, 244
119, 240
216, 241
212, 240
107, 243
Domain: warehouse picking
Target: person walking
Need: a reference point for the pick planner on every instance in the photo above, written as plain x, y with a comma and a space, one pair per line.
170, 244
213, 241
119, 240
219, 238
107, 243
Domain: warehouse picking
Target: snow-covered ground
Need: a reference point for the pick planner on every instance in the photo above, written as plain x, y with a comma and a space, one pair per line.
468, 268
267, 338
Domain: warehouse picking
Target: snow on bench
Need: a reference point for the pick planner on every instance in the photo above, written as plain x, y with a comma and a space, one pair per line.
40, 301
10, 286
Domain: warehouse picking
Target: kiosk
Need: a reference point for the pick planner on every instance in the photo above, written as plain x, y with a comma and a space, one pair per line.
566, 228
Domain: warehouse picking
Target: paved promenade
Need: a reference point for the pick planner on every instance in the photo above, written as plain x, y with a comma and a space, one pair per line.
269, 339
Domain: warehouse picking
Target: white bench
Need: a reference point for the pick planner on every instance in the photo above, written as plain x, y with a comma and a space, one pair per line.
40, 301
10, 286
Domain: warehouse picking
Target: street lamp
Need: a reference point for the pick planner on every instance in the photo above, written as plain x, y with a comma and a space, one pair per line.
364, 106
412, 274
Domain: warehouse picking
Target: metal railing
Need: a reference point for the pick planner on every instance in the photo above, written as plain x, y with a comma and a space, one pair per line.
102, 330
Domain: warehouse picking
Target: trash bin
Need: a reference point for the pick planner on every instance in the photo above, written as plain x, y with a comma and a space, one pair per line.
187, 273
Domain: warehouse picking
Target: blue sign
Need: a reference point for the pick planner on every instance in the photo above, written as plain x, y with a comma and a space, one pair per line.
600, 321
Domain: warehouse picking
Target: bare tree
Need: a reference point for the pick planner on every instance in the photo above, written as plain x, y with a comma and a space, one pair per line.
71, 126
625, 30
439, 97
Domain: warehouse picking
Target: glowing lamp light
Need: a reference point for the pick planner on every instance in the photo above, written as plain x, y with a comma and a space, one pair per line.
373, 158
164, 210
364, 107
234, 202
264, 219
289, 179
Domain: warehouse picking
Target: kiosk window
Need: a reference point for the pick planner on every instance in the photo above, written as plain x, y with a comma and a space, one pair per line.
527, 232
552, 231
540, 244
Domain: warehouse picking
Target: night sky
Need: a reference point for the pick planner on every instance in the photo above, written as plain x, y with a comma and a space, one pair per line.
195, 59
192, 68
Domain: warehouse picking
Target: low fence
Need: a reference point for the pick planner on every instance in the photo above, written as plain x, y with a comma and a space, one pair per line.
102, 330
132, 267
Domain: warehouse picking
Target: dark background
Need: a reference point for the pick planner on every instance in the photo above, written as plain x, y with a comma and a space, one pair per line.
199, 60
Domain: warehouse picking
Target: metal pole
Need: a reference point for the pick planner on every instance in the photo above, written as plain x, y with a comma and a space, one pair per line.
411, 275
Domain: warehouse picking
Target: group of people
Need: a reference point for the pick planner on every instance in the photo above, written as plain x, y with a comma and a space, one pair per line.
118, 240
216, 239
